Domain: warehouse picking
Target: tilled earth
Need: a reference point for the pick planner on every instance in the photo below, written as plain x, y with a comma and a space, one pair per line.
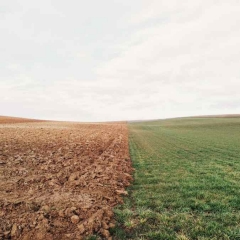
8, 120
60, 180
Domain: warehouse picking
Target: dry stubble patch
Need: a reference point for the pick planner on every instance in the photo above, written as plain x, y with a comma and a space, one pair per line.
61, 180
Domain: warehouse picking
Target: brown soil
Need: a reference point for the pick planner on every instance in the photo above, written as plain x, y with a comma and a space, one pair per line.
9, 120
61, 180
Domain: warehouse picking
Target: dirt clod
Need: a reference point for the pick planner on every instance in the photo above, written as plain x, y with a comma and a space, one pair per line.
75, 219
81, 228
123, 192
105, 233
15, 232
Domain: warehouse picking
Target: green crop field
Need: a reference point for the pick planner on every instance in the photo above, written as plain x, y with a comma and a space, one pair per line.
186, 180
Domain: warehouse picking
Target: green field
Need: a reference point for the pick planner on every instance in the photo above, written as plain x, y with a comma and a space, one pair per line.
186, 180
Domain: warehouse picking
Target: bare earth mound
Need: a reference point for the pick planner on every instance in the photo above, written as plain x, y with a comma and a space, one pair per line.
61, 180
7, 120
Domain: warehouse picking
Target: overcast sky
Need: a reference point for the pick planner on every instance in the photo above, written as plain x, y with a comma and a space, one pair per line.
119, 59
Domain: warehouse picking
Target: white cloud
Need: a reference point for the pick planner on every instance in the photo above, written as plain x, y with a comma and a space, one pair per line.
164, 59
194, 61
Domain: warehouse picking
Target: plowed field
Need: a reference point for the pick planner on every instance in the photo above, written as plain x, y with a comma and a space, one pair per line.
8, 120
61, 180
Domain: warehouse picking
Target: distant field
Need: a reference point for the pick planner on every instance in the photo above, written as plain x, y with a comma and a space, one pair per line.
10, 120
187, 180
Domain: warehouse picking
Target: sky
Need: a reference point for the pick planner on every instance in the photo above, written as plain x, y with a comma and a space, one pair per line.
118, 59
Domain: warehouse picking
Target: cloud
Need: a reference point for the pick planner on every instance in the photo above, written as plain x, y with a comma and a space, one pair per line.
194, 61
139, 61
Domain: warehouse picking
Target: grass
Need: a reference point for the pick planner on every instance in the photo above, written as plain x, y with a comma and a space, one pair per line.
187, 181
